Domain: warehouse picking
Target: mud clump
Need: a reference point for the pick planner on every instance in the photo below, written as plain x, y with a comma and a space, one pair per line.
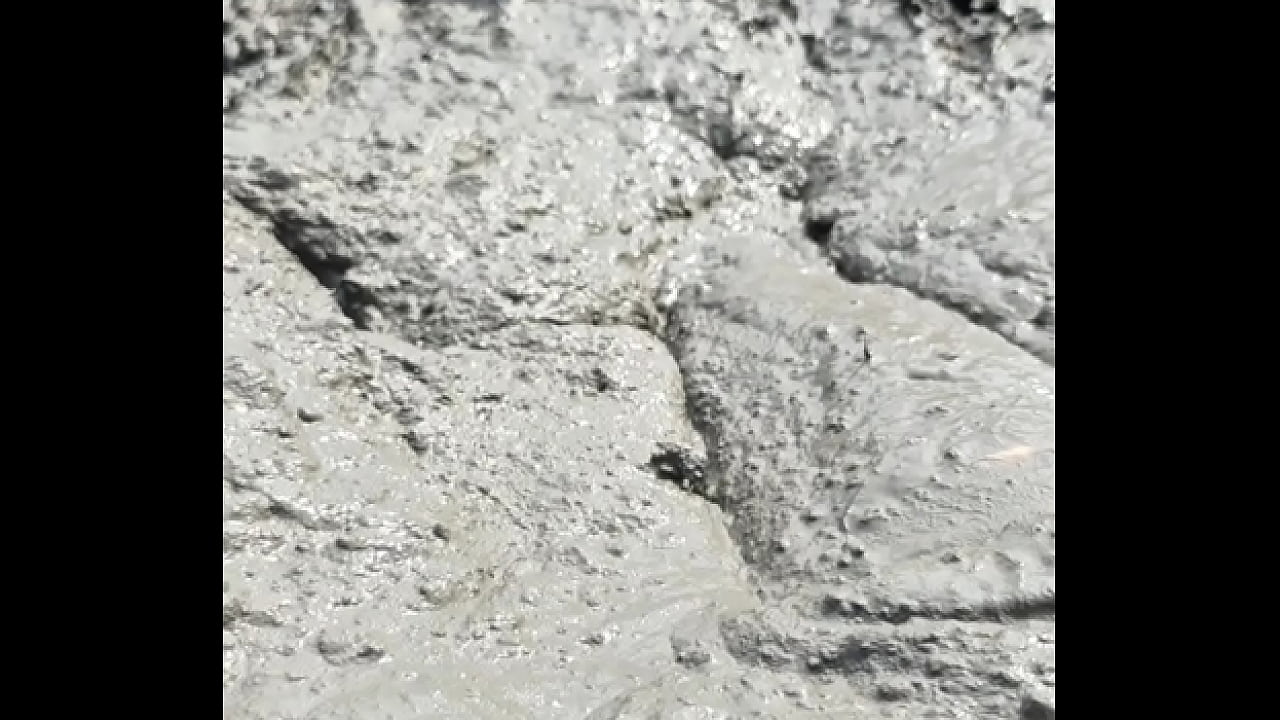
943, 184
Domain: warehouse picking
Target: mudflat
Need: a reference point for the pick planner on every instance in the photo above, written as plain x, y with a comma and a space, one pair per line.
642, 359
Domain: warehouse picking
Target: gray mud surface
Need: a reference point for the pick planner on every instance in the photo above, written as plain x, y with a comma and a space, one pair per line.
640, 359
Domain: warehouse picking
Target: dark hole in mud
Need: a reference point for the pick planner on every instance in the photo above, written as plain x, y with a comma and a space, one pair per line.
245, 58
819, 230
679, 464
813, 53
969, 7
759, 24
601, 381
723, 141
367, 182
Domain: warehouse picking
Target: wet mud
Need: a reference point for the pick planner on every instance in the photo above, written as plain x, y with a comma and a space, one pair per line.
649, 359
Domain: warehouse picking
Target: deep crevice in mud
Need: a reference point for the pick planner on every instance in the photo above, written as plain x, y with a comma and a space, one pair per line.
352, 299
328, 270
697, 475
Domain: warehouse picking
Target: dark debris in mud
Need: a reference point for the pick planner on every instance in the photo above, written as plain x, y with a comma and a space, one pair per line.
681, 465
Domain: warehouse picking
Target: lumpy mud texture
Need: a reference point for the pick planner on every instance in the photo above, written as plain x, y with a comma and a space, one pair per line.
639, 359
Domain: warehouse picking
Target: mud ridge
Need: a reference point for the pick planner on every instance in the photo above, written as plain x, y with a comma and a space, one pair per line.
1033, 607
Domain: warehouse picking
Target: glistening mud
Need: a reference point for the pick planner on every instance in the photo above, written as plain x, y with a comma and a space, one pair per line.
646, 359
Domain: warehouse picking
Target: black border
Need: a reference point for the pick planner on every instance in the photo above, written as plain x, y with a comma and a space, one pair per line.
112, 176
1135, 267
